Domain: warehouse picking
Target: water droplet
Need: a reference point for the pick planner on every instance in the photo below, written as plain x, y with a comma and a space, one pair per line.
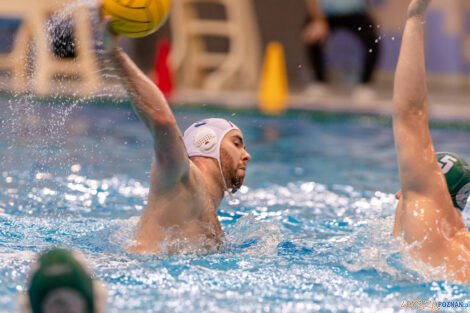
76, 168
370, 50
359, 28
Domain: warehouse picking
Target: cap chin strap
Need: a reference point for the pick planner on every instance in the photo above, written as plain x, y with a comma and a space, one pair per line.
232, 199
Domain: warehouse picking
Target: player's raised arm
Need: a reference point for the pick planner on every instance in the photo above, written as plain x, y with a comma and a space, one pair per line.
416, 158
425, 212
152, 107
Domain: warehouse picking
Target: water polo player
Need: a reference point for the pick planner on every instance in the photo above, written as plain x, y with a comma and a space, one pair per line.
61, 281
434, 187
189, 175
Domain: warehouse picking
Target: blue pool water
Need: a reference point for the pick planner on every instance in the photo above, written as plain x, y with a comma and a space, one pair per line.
310, 231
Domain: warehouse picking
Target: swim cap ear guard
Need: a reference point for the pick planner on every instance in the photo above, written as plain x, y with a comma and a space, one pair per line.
457, 174
60, 281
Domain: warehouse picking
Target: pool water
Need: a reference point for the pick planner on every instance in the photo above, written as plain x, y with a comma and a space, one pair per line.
310, 230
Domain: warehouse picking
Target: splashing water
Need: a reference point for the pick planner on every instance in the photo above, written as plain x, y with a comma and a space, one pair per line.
292, 244
311, 230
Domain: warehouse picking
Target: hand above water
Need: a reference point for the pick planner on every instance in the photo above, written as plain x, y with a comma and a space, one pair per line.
110, 39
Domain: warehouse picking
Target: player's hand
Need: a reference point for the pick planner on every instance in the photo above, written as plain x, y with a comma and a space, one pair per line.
316, 32
110, 39
418, 8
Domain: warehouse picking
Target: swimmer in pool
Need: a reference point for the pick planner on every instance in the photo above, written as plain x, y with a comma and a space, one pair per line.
190, 172
435, 187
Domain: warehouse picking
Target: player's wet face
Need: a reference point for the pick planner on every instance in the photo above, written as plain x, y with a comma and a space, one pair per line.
234, 159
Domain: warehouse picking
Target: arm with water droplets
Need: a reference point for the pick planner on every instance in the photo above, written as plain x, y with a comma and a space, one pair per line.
425, 212
153, 109
410, 105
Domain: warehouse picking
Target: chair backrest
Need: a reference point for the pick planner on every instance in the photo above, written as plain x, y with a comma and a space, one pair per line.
239, 67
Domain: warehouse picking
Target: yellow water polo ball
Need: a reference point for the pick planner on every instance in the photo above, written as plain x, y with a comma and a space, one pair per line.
136, 18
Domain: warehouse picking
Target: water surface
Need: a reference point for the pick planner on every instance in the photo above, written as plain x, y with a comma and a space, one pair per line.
310, 231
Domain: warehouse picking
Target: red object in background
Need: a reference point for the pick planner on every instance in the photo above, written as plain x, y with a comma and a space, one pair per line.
163, 78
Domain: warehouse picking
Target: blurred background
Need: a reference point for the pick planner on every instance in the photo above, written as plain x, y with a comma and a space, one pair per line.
217, 49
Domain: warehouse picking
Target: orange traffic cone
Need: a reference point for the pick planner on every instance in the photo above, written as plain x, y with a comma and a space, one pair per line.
273, 91
163, 77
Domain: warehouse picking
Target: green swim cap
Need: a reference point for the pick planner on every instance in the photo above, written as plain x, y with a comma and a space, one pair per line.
60, 284
457, 173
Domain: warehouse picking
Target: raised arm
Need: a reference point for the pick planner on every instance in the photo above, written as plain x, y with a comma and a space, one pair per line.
152, 107
425, 212
416, 158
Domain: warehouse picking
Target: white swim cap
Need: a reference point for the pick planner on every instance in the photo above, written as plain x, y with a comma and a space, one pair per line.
203, 138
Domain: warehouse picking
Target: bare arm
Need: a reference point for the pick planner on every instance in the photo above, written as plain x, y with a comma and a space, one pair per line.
152, 107
426, 210
410, 113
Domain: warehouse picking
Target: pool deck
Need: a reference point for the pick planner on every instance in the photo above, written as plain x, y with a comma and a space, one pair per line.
445, 104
